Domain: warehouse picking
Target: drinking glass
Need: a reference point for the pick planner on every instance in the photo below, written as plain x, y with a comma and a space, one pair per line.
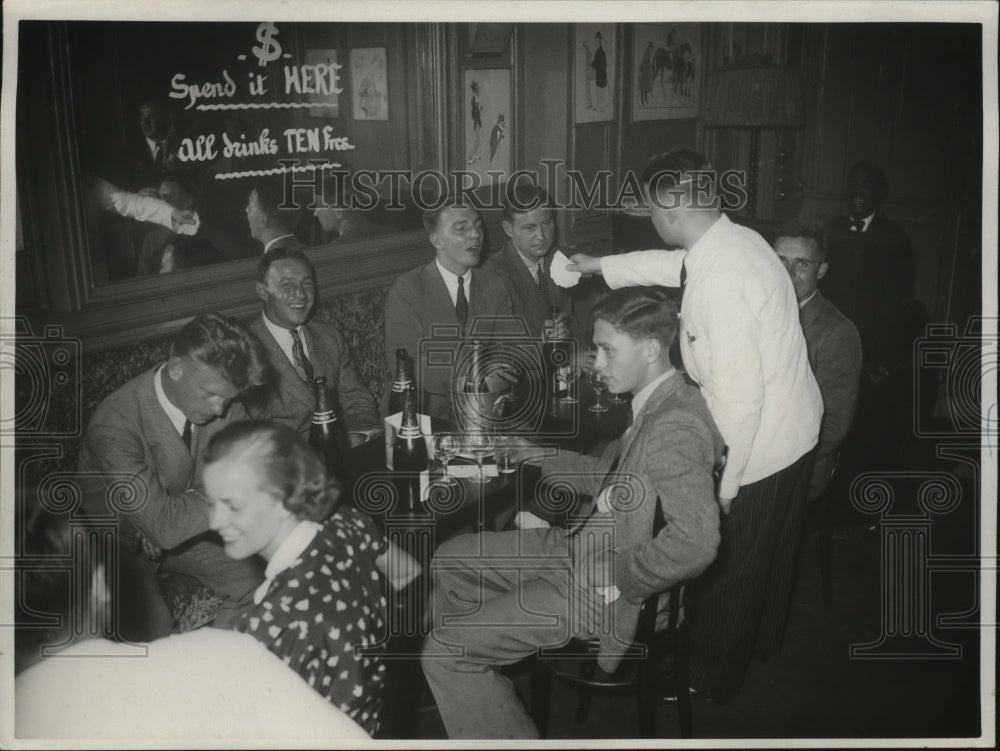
479, 445
596, 381
506, 448
570, 371
617, 398
446, 447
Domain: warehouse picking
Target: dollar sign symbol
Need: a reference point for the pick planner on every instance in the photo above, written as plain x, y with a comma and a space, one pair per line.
269, 49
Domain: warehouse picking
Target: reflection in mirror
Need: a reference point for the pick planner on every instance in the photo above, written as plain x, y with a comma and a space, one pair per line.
192, 160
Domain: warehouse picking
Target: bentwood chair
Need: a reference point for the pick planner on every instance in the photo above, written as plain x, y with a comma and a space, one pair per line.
642, 670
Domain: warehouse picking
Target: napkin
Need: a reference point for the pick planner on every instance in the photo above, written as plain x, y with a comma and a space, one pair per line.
190, 229
558, 271
471, 471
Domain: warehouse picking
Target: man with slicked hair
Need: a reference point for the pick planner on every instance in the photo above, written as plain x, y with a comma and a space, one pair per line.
150, 434
741, 340
499, 596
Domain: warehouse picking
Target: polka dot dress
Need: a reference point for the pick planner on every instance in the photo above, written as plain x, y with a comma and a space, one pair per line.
326, 613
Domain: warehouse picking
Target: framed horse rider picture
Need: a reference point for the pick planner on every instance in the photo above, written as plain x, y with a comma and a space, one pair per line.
667, 71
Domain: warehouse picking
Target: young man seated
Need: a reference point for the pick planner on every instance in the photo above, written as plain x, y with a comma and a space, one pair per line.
497, 597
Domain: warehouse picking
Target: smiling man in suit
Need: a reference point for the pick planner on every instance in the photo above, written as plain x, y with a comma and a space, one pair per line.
497, 597
447, 299
300, 348
150, 433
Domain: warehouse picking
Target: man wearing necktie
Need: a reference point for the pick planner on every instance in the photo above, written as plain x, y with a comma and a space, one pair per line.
742, 342
499, 596
299, 347
871, 280
150, 434
525, 261
433, 308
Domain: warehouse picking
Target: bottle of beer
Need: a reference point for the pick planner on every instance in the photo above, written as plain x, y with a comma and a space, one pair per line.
401, 382
555, 350
409, 456
475, 377
324, 435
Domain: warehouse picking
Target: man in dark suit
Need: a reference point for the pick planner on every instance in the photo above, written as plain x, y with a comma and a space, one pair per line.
267, 225
491, 609
525, 261
151, 432
871, 280
447, 300
300, 349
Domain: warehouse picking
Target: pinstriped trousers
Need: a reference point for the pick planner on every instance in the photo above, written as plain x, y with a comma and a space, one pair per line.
742, 600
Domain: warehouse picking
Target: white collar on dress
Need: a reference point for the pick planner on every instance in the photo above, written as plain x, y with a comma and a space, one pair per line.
287, 553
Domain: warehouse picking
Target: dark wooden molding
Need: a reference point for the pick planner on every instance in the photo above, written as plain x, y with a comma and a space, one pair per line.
145, 308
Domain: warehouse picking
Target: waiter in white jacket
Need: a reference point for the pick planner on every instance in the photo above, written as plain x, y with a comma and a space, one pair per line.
741, 340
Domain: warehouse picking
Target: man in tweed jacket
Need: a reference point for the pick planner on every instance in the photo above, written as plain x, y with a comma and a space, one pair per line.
497, 597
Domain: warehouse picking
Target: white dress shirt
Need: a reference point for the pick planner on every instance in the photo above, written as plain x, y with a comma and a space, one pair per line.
133, 205
177, 417
865, 223
451, 282
741, 340
283, 337
530, 263
269, 243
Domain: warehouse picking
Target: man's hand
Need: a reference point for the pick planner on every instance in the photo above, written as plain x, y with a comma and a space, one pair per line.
599, 571
144, 547
180, 217
149, 192
584, 264
586, 360
398, 566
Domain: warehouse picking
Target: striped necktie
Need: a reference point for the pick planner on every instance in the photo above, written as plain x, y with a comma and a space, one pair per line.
302, 364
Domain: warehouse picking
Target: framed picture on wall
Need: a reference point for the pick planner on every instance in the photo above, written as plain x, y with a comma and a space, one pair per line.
594, 74
667, 71
369, 83
486, 117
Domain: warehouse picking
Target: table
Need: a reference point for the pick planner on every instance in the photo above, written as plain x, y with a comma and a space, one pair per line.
467, 507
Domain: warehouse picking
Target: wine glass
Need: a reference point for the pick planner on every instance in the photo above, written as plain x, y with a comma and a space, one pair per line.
479, 445
446, 447
570, 372
617, 398
596, 381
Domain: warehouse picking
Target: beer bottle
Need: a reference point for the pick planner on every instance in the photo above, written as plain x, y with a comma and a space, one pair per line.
475, 378
409, 456
401, 382
324, 435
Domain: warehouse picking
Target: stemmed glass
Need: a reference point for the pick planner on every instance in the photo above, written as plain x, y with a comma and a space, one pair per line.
617, 399
479, 445
570, 371
446, 447
596, 381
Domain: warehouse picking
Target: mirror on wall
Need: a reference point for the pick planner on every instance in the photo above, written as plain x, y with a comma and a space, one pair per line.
202, 143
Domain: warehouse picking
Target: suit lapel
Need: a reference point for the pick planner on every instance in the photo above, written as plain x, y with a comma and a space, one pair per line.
439, 308
662, 392
173, 458
288, 378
